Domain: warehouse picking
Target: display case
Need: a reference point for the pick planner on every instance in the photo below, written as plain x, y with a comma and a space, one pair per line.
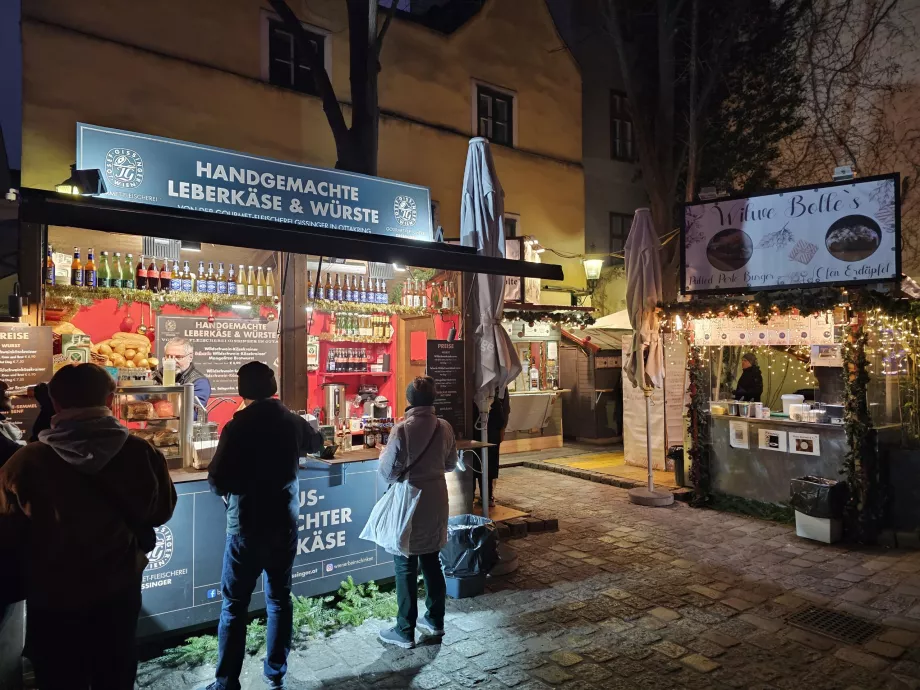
162, 415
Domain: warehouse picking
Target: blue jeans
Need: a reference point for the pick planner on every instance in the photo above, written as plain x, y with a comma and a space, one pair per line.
245, 559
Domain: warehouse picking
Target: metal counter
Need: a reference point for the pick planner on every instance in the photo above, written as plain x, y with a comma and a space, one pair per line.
763, 474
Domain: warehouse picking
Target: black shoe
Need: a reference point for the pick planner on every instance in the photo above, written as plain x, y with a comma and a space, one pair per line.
273, 684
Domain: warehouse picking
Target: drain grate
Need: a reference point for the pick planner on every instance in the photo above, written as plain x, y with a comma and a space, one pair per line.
834, 624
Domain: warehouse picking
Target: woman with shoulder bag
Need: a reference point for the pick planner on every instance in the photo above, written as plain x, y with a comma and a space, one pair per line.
421, 451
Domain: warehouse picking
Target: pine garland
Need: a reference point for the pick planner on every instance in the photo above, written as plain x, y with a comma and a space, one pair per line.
700, 470
761, 305
864, 510
560, 318
70, 298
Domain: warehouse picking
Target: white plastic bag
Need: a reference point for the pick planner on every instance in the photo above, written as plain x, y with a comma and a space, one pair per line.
390, 522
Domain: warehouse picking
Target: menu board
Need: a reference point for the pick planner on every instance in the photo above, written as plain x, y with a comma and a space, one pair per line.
26, 358
222, 346
445, 366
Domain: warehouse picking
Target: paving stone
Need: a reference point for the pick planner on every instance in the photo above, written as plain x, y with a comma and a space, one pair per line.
511, 677
699, 663
857, 595
669, 649
737, 604
902, 622
861, 659
469, 648
885, 649
810, 639
767, 624
565, 658
789, 601
552, 674
664, 614
903, 638
708, 592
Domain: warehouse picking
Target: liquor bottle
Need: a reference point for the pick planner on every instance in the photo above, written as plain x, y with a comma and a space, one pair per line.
118, 272
384, 295
187, 281
127, 280
260, 283
328, 294
534, 375
175, 278
76, 269
89, 270
269, 283
348, 290
165, 277
153, 276
311, 292
330, 360
423, 295
233, 287
104, 275
140, 274
445, 296
49, 266
212, 279
221, 279
338, 289
251, 283
201, 280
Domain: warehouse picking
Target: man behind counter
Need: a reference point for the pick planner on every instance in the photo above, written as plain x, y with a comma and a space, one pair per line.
750, 384
181, 350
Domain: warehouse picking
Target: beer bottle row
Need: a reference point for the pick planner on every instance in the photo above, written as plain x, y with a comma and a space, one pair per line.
350, 289
123, 274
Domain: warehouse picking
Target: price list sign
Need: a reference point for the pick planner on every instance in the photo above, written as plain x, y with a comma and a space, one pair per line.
26, 358
445, 366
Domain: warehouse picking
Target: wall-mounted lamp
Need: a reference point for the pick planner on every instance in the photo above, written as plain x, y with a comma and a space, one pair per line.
593, 268
82, 182
399, 268
190, 246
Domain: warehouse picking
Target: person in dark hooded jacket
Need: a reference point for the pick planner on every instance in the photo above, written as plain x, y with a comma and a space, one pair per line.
83, 502
750, 384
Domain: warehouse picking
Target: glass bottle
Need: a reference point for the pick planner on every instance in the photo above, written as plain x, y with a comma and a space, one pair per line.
330, 360
118, 276
310, 289
127, 280
49, 267
175, 278
104, 276
328, 294
212, 279
153, 276
269, 282
140, 274
89, 270
165, 277
221, 279
445, 296
187, 281
384, 295
76, 269
251, 282
260, 282
201, 279
338, 289
240, 282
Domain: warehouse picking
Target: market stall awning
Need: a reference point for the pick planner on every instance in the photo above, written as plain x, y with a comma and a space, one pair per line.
51, 208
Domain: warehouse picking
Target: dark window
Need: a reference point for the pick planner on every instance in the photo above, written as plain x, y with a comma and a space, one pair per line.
511, 226
494, 110
287, 64
622, 138
619, 231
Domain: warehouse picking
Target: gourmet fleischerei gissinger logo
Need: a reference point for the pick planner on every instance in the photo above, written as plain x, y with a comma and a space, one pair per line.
163, 551
124, 168
405, 210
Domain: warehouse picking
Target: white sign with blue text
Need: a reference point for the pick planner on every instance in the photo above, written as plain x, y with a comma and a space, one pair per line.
178, 174
835, 234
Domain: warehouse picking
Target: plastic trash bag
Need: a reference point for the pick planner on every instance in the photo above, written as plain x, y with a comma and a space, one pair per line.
390, 522
818, 496
472, 546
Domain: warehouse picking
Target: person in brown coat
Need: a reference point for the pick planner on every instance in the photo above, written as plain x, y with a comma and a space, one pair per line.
81, 505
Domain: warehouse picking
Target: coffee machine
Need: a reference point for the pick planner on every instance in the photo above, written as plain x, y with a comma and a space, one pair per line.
373, 405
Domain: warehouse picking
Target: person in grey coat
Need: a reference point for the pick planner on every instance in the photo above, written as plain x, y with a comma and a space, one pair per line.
421, 451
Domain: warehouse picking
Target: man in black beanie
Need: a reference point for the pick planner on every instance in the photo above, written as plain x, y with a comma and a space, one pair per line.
255, 467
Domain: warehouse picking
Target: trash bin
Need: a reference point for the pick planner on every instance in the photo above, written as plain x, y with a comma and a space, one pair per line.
675, 455
470, 553
818, 504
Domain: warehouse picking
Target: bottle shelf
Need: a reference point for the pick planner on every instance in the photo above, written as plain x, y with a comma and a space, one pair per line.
353, 340
355, 373
332, 306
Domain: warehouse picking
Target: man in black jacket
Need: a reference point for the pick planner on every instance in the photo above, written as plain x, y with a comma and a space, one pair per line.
256, 468
750, 384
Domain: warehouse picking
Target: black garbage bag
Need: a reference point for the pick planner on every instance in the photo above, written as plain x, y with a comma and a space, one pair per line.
818, 496
472, 546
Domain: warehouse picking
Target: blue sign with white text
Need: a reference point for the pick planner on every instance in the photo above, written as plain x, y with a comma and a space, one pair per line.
178, 174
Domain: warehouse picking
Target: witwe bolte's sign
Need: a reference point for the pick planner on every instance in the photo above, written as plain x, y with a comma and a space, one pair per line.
179, 174
835, 234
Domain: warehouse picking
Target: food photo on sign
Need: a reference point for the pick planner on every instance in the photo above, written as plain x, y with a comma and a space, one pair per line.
833, 234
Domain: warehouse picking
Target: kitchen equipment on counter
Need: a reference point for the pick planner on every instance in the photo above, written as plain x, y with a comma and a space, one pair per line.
798, 412
755, 410
744, 409
335, 403
719, 407
791, 399
733, 408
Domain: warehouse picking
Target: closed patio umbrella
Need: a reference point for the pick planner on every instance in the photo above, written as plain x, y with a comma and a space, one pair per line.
482, 213
645, 366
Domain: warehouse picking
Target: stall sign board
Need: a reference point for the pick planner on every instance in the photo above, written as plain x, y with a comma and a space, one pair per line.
844, 233
771, 439
804, 444
26, 359
178, 174
738, 434
445, 366
222, 346
181, 583
780, 330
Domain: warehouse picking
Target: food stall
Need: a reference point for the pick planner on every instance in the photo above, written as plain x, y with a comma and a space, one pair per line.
210, 222
803, 285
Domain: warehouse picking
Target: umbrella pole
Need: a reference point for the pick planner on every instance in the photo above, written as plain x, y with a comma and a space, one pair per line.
648, 495
648, 436
484, 437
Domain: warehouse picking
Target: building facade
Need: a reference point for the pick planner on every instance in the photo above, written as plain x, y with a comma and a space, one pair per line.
225, 73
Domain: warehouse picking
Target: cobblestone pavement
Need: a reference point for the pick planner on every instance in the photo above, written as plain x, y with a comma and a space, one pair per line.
624, 596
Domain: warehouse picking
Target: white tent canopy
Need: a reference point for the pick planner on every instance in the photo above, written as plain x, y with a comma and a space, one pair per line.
618, 321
